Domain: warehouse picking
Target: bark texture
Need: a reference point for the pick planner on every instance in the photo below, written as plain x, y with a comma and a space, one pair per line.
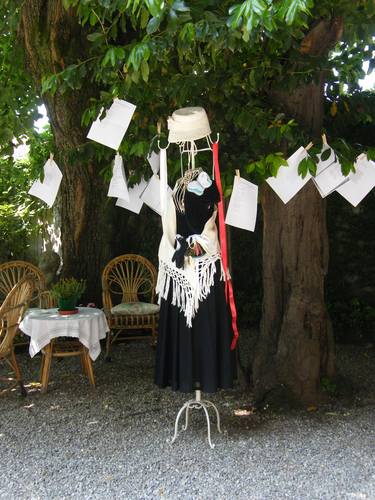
53, 39
295, 348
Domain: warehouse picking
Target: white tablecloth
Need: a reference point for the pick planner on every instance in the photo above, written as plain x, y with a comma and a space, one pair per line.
89, 325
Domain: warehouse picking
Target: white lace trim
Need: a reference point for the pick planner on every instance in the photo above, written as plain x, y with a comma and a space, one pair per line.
189, 286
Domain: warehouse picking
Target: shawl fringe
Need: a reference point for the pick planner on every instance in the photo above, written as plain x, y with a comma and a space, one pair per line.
188, 293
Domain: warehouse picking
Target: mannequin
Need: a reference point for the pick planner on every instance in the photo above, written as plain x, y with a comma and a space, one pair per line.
195, 333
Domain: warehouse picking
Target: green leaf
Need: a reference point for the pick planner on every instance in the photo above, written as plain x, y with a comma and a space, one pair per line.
312, 167
326, 154
248, 13
135, 76
180, 6
290, 9
371, 154
139, 53
49, 84
260, 168
108, 56
347, 167
303, 167
145, 70
94, 37
235, 16
250, 168
187, 33
153, 25
144, 18
93, 18
155, 7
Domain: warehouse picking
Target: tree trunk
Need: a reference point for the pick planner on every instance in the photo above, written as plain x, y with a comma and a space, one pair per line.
53, 39
295, 347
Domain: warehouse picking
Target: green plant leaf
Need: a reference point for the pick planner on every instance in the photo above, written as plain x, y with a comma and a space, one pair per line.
290, 9
153, 25
326, 154
145, 70
303, 167
94, 37
371, 154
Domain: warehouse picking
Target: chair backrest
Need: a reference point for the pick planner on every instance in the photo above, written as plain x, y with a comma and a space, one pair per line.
12, 311
47, 300
130, 276
13, 271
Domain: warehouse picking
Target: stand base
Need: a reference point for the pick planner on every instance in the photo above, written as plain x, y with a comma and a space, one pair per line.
197, 404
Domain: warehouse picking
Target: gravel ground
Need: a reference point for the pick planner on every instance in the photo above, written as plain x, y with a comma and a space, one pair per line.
111, 442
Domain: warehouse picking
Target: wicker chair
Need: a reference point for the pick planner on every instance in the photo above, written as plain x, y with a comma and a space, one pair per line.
47, 300
11, 314
13, 271
128, 283
61, 348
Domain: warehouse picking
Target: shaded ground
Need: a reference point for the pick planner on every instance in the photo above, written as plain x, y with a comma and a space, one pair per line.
111, 442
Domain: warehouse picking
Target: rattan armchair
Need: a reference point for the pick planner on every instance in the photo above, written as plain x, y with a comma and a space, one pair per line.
47, 300
11, 314
128, 283
13, 271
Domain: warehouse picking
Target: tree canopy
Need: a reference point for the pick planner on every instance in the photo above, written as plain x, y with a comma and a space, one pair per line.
230, 58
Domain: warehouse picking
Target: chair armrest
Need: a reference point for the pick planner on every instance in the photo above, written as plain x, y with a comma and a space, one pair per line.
107, 312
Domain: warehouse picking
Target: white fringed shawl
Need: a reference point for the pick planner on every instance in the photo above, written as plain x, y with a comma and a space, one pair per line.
192, 283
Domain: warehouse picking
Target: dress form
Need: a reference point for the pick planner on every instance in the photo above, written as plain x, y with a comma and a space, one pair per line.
207, 336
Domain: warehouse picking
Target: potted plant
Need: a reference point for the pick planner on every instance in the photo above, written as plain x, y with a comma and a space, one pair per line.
67, 292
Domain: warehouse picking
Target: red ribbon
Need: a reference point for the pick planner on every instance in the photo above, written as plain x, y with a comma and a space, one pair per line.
224, 249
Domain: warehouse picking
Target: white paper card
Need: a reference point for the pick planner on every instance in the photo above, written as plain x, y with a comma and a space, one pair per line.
151, 195
111, 129
154, 161
48, 189
360, 183
328, 174
288, 182
243, 205
118, 187
330, 179
135, 202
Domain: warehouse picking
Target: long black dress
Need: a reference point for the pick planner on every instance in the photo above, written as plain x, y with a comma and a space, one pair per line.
198, 357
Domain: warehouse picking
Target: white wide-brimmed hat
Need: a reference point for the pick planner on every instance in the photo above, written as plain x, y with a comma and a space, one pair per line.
188, 124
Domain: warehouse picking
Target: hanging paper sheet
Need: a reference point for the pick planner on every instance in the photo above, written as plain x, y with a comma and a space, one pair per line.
151, 195
111, 129
288, 182
329, 175
360, 183
243, 205
48, 189
154, 161
135, 202
118, 187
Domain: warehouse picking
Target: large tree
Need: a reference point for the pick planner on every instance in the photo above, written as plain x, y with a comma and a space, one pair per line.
53, 39
260, 69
